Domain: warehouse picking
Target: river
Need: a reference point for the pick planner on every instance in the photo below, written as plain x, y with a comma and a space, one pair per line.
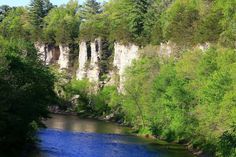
71, 136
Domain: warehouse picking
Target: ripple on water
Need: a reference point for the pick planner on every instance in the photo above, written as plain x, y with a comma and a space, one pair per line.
71, 136
58, 143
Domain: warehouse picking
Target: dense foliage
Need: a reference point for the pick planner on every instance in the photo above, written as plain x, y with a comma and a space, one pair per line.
91, 103
62, 24
186, 23
26, 90
190, 98
155, 21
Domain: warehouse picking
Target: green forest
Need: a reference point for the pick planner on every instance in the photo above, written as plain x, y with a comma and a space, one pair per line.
188, 97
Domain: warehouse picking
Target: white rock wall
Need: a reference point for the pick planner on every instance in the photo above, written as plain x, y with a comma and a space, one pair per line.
64, 57
81, 72
93, 70
45, 53
171, 49
89, 68
123, 57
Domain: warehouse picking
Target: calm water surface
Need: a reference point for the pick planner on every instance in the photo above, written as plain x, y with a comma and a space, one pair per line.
71, 136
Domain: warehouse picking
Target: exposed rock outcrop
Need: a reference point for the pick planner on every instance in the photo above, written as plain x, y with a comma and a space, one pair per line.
123, 57
171, 49
81, 72
89, 55
204, 46
51, 54
90, 58
93, 70
64, 57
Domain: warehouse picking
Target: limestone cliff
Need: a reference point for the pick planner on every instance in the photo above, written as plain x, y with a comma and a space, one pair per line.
123, 57
81, 72
93, 70
89, 55
64, 57
51, 54
89, 59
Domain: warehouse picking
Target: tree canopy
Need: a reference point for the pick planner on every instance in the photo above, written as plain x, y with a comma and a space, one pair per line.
26, 87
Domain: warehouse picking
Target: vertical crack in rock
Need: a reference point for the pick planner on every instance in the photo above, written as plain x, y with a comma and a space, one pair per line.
88, 60
93, 70
49, 54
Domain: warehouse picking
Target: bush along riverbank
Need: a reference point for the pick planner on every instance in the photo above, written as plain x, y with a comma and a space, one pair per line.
189, 99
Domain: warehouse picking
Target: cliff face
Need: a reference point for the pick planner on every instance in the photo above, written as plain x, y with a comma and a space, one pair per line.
81, 72
51, 54
93, 70
123, 57
90, 58
89, 55
63, 60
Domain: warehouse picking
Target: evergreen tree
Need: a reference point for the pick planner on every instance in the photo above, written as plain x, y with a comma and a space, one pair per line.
90, 8
62, 24
36, 13
140, 9
3, 11
47, 6
152, 22
38, 10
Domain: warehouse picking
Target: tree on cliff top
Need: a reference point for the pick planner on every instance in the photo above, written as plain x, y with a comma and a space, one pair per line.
38, 10
62, 24
90, 8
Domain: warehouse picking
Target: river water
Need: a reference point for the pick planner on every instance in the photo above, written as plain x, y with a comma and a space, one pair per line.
71, 136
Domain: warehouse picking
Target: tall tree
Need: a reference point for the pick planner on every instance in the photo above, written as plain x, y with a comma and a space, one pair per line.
62, 24
38, 10
140, 9
15, 24
90, 8
47, 6
3, 11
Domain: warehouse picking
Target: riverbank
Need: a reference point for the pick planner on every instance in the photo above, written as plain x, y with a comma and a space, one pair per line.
88, 137
133, 132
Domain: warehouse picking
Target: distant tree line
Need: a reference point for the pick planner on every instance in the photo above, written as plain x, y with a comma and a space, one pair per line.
142, 22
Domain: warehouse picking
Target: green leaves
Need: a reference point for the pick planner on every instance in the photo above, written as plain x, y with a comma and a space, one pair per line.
187, 99
26, 90
15, 24
89, 9
62, 24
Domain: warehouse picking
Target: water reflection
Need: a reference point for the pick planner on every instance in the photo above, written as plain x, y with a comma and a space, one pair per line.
74, 123
70, 136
